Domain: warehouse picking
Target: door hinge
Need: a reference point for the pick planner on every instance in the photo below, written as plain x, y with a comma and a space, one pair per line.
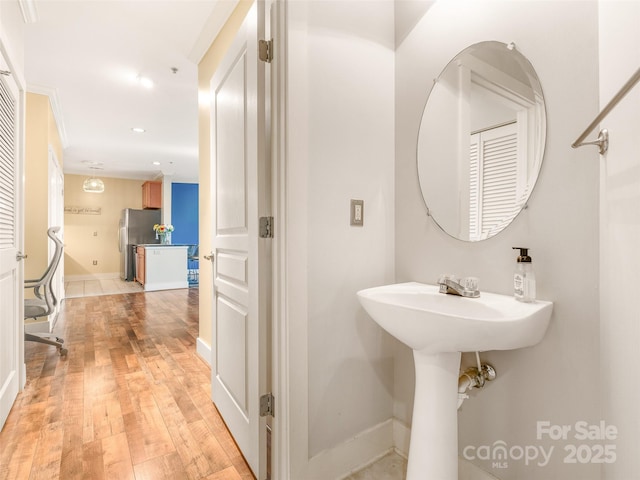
266, 227
266, 405
265, 50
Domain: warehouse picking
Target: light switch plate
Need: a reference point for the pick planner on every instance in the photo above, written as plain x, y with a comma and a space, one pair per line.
357, 213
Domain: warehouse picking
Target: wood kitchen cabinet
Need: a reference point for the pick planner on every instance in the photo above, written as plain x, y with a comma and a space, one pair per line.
140, 265
152, 194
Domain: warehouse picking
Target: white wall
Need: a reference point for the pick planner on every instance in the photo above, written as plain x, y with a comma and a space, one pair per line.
12, 28
340, 147
447, 126
556, 380
620, 232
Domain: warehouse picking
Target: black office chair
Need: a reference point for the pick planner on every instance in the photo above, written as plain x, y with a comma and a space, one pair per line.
45, 301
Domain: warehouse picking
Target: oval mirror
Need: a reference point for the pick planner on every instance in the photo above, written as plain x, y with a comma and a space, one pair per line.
481, 141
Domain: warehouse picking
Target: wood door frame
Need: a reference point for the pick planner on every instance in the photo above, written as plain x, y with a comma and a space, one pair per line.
56, 218
289, 335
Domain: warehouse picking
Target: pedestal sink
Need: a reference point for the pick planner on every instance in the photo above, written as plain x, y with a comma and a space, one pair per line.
438, 328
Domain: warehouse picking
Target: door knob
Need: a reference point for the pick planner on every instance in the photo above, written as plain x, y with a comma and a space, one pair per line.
20, 256
211, 257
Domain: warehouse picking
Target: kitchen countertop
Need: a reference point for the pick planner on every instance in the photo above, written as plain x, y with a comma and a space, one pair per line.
161, 245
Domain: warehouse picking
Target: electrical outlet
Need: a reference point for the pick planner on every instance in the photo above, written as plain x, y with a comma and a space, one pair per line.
95, 234
95, 262
357, 212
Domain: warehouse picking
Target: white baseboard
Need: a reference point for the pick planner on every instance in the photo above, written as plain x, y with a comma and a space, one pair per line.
92, 276
401, 437
369, 446
354, 454
203, 350
156, 286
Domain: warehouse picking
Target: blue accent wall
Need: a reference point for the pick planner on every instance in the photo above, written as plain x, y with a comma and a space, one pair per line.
184, 213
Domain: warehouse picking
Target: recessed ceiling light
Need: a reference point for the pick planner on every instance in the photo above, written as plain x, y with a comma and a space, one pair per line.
156, 163
145, 82
138, 130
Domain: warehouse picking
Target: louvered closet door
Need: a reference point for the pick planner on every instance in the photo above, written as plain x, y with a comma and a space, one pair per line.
11, 294
493, 179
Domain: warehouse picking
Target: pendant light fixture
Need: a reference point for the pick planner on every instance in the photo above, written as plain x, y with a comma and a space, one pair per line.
93, 185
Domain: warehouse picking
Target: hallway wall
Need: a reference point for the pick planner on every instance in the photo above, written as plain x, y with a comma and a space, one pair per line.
41, 133
206, 69
95, 237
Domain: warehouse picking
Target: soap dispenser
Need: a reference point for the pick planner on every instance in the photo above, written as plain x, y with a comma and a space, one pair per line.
524, 280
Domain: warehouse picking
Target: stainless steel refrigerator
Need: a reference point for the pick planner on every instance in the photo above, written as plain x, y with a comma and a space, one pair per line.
136, 228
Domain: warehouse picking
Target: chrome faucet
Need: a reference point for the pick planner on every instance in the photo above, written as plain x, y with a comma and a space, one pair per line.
450, 285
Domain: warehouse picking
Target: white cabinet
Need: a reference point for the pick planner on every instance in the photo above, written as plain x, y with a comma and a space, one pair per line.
165, 267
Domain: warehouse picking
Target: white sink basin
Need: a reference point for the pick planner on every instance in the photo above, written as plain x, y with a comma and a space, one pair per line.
438, 327
424, 319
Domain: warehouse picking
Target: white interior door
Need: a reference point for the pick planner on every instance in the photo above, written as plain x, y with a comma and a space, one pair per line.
11, 293
239, 196
56, 219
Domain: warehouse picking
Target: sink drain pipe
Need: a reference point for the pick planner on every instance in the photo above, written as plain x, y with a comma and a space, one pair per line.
474, 377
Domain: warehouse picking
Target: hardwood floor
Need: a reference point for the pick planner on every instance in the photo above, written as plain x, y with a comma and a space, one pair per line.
131, 400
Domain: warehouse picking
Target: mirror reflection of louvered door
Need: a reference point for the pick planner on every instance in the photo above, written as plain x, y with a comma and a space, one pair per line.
493, 180
11, 291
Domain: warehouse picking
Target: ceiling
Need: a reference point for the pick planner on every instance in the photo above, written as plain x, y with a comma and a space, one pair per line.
89, 56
